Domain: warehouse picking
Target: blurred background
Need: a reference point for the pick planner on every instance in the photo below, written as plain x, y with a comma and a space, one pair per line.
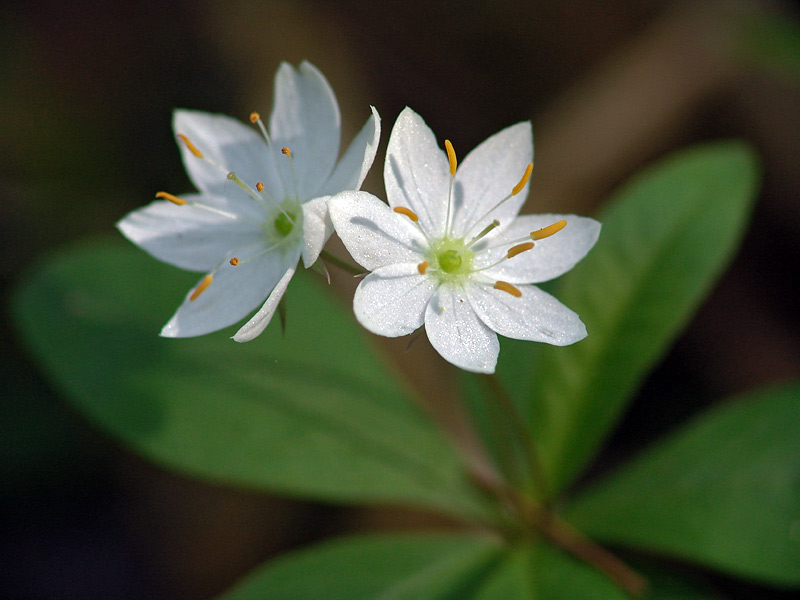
86, 95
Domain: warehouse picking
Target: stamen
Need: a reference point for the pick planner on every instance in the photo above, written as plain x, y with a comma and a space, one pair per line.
286, 151
546, 232
407, 212
234, 261
201, 288
259, 186
516, 190
481, 235
422, 267
254, 117
171, 198
525, 177
508, 288
192, 148
519, 249
451, 156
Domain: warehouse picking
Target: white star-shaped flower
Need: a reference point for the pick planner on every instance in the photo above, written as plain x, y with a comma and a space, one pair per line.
450, 253
263, 202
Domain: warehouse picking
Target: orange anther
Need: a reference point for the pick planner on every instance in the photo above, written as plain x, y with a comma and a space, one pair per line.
254, 117
407, 212
545, 232
422, 267
508, 288
286, 151
201, 288
260, 186
192, 148
525, 177
518, 249
171, 198
234, 261
451, 156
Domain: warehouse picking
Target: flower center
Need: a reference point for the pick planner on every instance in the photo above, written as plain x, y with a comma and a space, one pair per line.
452, 258
284, 223
449, 261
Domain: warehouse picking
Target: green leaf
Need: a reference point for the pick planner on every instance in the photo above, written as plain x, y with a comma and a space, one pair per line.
312, 414
723, 491
439, 567
399, 567
666, 237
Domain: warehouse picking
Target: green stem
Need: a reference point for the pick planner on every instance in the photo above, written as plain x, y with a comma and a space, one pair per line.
530, 451
344, 265
565, 536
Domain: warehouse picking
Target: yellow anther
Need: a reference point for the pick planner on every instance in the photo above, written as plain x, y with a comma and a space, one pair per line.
171, 198
254, 117
234, 261
260, 186
286, 151
201, 288
545, 232
519, 249
407, 212
451, 156
422, 267
525, 177
508, 288
192, 148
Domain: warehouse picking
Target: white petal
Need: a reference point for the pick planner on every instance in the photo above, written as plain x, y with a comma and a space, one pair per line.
187, 236
231, 144
487, 175
234, 293
374, 234
351, 170
456, 333
550, 257
417, 172
536, 315
305, 119
258, 323
317, 228
391, 301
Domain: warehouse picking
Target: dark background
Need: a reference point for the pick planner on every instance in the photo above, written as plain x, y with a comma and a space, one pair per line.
86, 95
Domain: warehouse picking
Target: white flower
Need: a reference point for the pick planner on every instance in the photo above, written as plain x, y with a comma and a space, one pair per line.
450, 252
262, 202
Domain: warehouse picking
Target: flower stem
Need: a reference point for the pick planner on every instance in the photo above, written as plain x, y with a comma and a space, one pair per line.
344, 265
506, 403
565, 536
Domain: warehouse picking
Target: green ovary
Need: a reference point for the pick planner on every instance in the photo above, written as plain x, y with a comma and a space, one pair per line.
450, 261
284, 224
452, 258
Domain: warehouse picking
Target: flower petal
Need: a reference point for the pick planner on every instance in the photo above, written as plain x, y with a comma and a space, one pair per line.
416, 172
235, 292
549, 258
487, 175
456, 333
535, 316
258, 323
351, 170
188, 236
305, 119
233, 146
373, 234
317, 228
391, 300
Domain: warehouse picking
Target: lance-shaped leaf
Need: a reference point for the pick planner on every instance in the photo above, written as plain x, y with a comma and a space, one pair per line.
723, 491
312, 414
665, 239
